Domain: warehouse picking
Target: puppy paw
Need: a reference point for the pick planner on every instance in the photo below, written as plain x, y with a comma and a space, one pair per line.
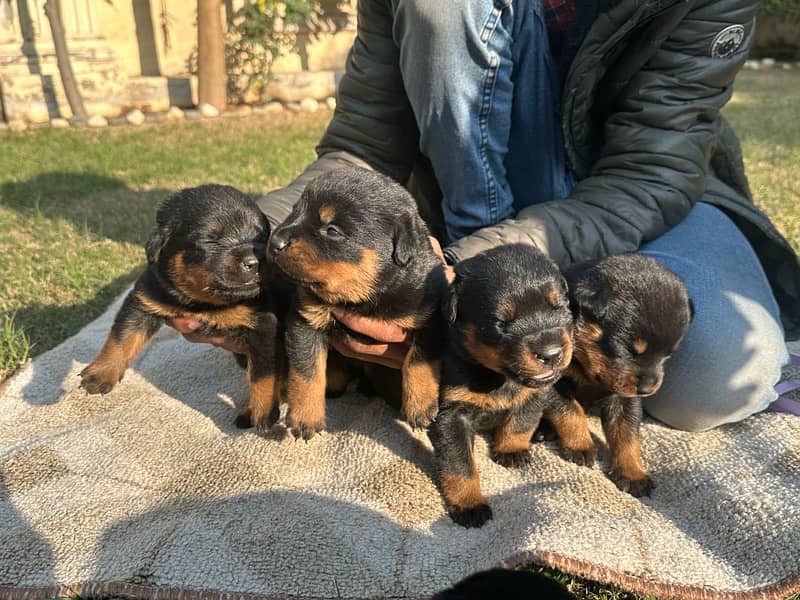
277, 433
635, 487
512, 460
583, 457
303, 430
98, 380
545, 432
243, 421
420, 419
474, 516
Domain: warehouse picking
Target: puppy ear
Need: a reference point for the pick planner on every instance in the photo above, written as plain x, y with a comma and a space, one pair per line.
403, 242
590, 303
155, 243
450, 302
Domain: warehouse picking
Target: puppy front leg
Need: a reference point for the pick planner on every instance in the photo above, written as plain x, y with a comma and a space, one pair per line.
621, 419
307, 353
133, 328
572, 429
421, 377
453, 437
262, 372
511, 441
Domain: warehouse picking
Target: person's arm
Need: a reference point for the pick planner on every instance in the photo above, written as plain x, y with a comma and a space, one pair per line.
657, 144
373, 125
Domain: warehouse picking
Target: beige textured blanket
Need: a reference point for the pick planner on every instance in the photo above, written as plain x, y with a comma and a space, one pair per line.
151, 491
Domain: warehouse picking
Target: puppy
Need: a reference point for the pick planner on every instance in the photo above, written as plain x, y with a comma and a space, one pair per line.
355, 241
509, 339
631, 313
205, 260
506, 584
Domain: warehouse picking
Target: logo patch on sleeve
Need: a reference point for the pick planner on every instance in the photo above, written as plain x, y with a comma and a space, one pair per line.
727, 41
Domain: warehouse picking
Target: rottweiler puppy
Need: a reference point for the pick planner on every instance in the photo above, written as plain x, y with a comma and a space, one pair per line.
509, 340
506, 584
631, 313
355, 241
205, 260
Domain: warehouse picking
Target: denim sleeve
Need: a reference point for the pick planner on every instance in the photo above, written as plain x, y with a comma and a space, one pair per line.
373, 119
658, 138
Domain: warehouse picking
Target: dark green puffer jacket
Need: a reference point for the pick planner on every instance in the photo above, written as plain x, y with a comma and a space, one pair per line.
641, 123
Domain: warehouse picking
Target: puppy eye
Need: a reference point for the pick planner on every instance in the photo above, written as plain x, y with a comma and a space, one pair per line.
501, 325
332, 231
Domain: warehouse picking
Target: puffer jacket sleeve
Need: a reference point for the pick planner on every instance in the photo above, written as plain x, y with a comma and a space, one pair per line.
654, 160
373, 124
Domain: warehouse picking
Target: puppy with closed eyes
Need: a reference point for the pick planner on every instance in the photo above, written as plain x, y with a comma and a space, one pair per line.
631, 314
355, 241
509, 340
205, 261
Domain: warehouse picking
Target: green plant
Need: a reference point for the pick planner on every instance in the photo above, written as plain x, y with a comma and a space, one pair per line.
262, 31
785, 9
15, 346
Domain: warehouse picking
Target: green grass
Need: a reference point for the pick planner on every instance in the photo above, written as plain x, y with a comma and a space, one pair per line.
76, 205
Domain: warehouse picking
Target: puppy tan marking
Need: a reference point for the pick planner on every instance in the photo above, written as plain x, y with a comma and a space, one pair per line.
327, 213
107, 369
306, 397
488, 356
420, 389
461, 492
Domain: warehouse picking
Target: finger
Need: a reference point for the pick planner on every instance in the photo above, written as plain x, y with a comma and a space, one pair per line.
184, 325
345, 350
365, 347
437, 247
450, 273
378, 330
219, 341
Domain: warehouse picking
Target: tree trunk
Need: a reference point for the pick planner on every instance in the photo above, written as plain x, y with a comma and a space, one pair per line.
52, 8
211, 78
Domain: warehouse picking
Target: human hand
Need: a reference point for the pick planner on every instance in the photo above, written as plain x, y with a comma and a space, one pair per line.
449, 272
373, 340
189, 329
377, 341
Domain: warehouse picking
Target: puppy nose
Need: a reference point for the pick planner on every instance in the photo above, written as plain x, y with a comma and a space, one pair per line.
549, 354
249, 262
648, 384
278, 243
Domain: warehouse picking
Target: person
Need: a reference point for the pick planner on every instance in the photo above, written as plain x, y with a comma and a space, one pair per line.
587, 128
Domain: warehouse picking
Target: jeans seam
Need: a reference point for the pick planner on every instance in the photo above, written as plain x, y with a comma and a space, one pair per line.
486, 104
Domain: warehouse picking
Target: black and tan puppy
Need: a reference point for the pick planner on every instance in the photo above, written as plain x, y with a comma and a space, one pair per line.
204, 261
509, 341
631, 313
506, 584
355, 241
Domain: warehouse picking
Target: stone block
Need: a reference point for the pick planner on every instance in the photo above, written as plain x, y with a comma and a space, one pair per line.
293, 87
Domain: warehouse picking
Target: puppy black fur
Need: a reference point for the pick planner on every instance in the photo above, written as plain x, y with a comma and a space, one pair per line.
205, 260
509, 340
355, 241
631, 313
506, 584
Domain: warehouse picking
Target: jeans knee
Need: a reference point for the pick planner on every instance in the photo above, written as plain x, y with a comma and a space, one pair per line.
724, 372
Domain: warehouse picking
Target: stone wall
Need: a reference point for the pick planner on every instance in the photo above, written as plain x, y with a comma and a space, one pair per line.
777, 38
122, 60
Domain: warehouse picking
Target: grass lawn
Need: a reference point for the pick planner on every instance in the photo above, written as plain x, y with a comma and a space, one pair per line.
76, 205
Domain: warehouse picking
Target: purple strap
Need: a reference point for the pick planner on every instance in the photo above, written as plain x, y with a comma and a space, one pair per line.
784, 404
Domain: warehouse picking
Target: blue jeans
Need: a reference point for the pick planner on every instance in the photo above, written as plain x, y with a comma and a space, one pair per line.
485, 93
732, 355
